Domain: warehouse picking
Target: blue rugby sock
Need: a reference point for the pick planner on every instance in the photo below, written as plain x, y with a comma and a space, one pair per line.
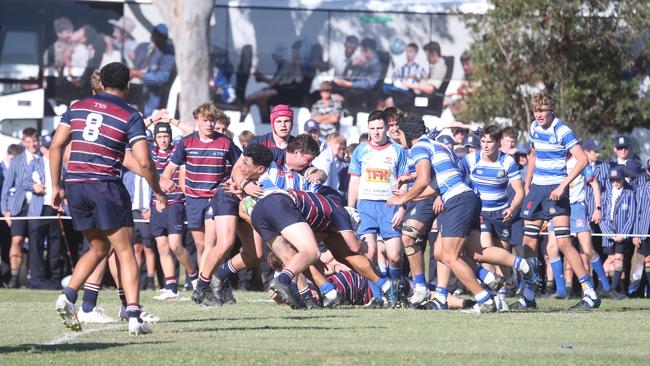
395, 273
285, 277
481, 273
89, 300
419, 280
600, 271
326, 287
70, 294
558, 275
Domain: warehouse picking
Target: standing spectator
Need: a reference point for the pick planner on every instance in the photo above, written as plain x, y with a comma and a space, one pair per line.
15, 200
154, 65
311, 128
437, 71
5, 232
332, 160
44, 275
326, 111
509, 140
642, 223
619, 210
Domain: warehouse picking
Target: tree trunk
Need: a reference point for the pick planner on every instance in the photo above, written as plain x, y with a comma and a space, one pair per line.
188, 23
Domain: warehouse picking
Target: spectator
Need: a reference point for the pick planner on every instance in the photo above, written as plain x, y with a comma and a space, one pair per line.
326, 112
437, 71
363, 138
122, 38
154, 65
54, 56
85, 57
468, 85
509, 140
364, 76
45, 274
221, 83
311, 128
411, 72
283, 84
460, 135
15, 199
343, 67
641, 66
5, 232
332, 160
245, 137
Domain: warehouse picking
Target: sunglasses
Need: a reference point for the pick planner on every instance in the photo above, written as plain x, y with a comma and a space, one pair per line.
621, 148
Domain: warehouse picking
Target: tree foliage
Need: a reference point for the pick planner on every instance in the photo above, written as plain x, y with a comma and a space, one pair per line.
578, 50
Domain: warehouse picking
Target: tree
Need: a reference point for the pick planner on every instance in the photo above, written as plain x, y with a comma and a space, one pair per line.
579, 50
188, 22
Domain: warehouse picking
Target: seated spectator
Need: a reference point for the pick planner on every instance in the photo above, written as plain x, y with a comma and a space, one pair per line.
245, 137
411, 72
326, 112
365, 74
285, 81
343, 67
437, 71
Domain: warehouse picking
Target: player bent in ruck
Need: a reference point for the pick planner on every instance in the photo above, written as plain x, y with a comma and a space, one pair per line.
459, 222
98, 129
547, 196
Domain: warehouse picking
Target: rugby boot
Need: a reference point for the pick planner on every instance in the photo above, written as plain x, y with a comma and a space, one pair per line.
587, 303
285, 293
206, 297
523, 304
68, 313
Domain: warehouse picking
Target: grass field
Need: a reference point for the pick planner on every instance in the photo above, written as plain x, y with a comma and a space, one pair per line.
256, 332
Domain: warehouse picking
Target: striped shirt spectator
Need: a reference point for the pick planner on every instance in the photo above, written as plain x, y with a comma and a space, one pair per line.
161, 159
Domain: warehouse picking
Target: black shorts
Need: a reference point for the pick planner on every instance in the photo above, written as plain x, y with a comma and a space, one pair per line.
273, 213
422, 212
615, 248
461, 215
170, 221
644, 248
225, 204
517, 232
492, 222
141, 232
538, 205
21, 227
102, 205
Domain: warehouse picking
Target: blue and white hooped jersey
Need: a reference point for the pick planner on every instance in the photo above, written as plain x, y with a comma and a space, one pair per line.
444, 167
280, 177
551, 147
378, 168
491, 179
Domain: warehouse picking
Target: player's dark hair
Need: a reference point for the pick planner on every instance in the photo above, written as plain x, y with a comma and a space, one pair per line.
413, 127
260, 154
115, 75
493, 131
378, 114
304, 143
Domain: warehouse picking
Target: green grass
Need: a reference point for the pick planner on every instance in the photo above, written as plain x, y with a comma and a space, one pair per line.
255, 332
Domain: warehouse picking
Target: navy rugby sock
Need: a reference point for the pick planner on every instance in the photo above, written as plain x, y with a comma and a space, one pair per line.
89, 300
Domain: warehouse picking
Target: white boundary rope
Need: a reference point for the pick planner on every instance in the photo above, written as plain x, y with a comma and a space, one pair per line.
23, 218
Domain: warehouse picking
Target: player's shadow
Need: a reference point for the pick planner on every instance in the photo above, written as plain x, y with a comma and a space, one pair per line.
31, 348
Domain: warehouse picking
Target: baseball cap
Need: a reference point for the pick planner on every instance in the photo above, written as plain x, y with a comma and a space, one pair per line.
162, 29
523, 149
617, 173
162, 128
591, 145
633, 168
45, 141
311, 125
445, 139
622, 141
472, 141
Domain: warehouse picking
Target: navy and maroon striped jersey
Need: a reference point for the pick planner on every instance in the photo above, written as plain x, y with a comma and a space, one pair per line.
268, 141
160, 159
320, 212
207, 163
351, 287
101, 127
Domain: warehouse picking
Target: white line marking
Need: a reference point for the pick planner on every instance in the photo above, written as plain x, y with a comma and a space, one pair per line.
73, 335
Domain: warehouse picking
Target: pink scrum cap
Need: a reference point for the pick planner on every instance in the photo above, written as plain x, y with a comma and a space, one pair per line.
281, 110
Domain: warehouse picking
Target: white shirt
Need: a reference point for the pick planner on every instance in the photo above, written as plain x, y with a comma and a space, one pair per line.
48, 183
28, 157
146, 194
616, 193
